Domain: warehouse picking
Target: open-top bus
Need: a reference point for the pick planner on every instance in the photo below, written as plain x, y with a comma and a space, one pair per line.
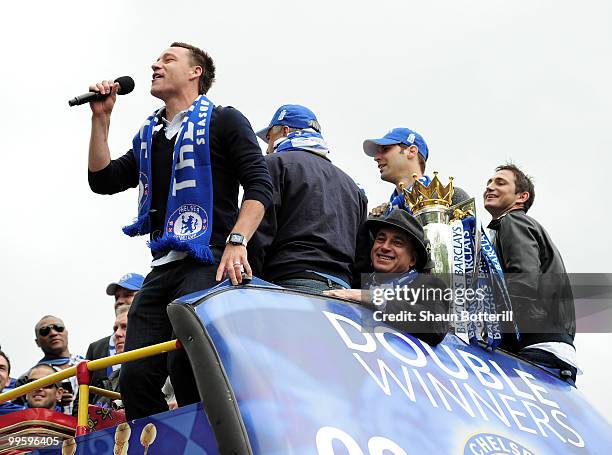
287, 372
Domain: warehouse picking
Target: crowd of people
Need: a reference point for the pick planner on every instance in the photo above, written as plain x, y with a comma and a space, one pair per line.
303, 224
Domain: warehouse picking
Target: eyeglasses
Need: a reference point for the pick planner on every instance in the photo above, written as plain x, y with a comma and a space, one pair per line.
46, 387
46, 329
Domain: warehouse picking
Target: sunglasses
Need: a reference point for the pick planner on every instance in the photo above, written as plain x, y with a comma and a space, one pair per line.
46, 387
45, 330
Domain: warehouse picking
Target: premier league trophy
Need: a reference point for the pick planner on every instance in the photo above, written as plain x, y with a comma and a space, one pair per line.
431, 204
462, 256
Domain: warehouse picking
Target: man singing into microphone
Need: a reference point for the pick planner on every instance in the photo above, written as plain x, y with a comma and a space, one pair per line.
187, 159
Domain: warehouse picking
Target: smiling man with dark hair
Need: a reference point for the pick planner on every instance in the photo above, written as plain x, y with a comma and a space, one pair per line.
542, 299
398, 259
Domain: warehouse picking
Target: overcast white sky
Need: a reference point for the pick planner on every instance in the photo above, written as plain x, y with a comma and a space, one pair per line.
484, 81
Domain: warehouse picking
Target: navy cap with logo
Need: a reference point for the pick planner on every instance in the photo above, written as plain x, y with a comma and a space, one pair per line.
397, 136
293, 116
130, 281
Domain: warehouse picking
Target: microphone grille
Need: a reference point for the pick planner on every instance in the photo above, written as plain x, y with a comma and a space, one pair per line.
126, 85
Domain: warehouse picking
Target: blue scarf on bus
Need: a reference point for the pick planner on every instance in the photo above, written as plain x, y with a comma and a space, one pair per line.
188, 217
476, 266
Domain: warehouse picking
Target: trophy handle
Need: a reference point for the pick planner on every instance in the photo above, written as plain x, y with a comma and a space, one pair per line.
463, 209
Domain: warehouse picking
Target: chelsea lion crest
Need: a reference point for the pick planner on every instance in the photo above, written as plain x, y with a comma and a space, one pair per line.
187, 222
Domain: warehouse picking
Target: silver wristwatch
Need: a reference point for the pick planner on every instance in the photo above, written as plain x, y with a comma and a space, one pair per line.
235, 238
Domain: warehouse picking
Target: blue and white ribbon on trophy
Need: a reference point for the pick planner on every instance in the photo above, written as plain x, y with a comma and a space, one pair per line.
487, 277
461, 277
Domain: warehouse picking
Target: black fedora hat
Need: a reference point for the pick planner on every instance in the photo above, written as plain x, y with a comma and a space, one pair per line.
405, 222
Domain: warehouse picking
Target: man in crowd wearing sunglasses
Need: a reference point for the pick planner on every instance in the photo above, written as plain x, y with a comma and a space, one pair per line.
46, 397
52, 339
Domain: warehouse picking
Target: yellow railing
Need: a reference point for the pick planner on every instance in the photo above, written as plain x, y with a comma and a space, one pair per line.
47, 380
105, 393
92, 365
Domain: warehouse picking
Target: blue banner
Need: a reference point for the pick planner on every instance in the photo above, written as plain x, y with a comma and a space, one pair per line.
309, 379
313, 375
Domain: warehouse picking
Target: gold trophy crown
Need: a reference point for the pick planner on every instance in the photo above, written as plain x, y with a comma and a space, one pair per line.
421, 196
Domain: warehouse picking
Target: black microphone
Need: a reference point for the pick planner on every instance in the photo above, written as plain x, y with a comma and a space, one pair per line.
126, 85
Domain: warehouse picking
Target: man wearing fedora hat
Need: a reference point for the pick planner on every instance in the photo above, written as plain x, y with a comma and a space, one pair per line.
398, 256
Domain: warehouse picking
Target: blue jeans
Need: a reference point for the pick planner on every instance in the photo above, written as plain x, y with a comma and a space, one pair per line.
304, 284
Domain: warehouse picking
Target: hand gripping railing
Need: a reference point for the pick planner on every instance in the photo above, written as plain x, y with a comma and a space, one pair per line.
83, 373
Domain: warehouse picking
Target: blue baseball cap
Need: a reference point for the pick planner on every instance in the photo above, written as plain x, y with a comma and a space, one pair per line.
293, 116
130, 281
397, 136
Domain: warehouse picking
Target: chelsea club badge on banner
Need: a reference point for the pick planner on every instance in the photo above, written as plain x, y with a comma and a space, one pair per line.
187, 222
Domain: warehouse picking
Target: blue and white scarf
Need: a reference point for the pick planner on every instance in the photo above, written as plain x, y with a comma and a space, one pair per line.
461, 276
188, 217
394, 281
490, 278
60, 361
307, 139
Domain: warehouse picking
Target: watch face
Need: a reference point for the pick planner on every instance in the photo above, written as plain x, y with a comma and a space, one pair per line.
236, 238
